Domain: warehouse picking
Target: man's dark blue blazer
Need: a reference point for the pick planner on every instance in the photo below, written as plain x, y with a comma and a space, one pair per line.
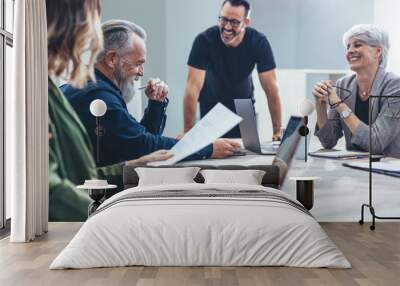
125, 138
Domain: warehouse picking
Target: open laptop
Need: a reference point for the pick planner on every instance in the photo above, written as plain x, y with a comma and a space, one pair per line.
288, 147
249, 132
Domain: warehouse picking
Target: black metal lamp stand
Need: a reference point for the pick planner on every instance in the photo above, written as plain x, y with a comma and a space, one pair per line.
304, 131
370, 203
99, 131
96, 196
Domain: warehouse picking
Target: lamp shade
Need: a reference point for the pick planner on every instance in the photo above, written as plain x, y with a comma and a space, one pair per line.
306, 107
98, 107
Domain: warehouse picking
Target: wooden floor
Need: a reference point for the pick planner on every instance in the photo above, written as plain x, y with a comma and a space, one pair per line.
375, 257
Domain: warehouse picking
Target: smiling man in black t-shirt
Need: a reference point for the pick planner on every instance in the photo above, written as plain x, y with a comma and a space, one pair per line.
221, 63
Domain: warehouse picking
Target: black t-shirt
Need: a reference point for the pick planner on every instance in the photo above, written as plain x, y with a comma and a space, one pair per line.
229, 70
361, 110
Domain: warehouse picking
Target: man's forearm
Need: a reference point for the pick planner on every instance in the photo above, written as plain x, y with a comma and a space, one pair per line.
190, 108
274, 105
194, 84
322, 116
270, 86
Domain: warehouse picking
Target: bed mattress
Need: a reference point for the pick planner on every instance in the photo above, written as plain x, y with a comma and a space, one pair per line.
201, 225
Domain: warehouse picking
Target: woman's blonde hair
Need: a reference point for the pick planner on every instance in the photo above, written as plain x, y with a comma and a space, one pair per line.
73, 26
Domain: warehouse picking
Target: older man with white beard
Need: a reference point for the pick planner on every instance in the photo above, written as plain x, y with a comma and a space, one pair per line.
118, 66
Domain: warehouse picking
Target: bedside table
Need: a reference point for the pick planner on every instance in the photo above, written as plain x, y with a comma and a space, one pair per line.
96, 190
305, 190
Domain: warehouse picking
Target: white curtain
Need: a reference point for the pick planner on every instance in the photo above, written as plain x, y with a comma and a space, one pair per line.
27, 124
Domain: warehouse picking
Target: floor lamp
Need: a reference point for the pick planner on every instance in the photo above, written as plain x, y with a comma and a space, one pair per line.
371, 159
98, 108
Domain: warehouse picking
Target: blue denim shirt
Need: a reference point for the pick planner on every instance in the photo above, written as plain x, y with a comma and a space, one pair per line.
125, 138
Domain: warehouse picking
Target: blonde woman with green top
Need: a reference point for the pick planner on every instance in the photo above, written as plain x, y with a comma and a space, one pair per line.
73, 25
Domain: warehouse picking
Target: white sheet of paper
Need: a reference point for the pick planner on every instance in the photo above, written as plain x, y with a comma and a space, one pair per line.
213, 125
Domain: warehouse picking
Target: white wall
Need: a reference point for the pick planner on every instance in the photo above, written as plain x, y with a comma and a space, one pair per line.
386, 15
321, 24
307, 34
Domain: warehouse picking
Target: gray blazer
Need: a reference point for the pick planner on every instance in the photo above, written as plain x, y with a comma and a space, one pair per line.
385, 117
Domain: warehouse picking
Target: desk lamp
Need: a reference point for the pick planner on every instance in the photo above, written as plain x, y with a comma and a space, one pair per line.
98, 108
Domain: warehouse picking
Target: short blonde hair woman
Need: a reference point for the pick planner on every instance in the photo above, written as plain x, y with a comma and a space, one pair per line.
73, 27
367, 48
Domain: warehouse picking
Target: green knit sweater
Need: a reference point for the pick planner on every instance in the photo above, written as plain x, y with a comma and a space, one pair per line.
71, 161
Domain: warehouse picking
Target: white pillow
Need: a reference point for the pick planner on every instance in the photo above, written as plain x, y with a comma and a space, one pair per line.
247, 177
166, 176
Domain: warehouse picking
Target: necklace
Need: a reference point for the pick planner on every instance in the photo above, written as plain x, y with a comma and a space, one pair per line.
364, 94
367, 82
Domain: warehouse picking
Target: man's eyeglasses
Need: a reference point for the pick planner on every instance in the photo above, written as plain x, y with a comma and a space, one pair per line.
347, 95
224, 21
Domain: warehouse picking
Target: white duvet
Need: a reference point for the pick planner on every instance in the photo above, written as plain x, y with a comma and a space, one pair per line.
188, 231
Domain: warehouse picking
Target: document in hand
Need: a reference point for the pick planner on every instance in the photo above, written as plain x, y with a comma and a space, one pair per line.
389, 167
213, 125
338, 154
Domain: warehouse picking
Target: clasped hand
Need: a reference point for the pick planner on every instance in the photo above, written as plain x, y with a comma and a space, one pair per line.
325, 92
156, 90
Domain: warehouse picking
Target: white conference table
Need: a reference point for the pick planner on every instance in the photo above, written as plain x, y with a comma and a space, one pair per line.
340, 191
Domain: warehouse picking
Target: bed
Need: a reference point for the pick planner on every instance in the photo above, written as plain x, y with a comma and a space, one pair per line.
197, 224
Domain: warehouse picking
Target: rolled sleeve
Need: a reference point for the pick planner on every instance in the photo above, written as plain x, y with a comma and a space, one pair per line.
384, 130
361, 136
331, 132
154, 117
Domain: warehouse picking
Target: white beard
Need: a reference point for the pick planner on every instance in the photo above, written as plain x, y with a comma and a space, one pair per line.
125, 84
128, 90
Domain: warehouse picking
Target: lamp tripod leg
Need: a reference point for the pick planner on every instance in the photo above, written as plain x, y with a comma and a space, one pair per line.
361, 221
372, 210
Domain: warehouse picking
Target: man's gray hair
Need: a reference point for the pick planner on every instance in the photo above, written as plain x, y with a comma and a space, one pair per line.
117, 35
371, 35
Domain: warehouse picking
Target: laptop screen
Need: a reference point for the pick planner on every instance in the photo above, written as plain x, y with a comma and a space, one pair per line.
293, 123
248, 126
288, 147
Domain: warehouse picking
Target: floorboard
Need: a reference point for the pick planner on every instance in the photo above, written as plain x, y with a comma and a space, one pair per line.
374, 255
